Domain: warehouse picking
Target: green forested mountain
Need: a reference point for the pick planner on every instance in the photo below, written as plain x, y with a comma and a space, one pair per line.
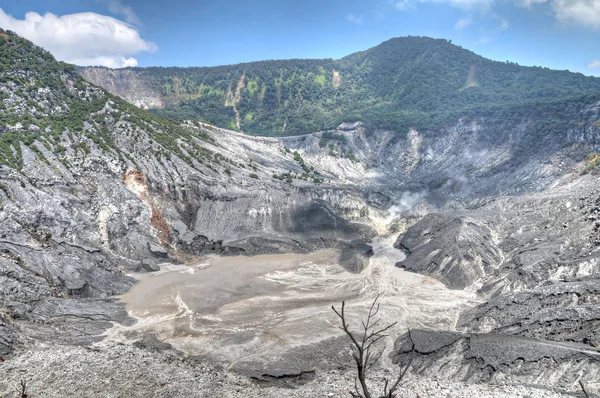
45, 102
405, 82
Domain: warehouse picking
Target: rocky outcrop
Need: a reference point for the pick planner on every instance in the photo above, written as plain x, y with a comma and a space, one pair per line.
509, 243
562, 311
133, 370
355, 256
73, 321
126, 83
496, 357
6, 338
540, 314
458, 248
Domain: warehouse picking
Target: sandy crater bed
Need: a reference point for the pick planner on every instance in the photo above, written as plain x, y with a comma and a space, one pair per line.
234, 309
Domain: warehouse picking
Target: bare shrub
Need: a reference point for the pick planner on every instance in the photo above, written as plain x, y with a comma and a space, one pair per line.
368, 346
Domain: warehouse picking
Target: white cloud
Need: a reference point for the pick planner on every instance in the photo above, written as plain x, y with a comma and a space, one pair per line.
464, 4
487, 18
595, 64
404, 5
463, 23
354, 19
82, 39
108, 61
581, 12
529, 3
118, 8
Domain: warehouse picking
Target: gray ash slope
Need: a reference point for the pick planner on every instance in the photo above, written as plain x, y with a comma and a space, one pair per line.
92, 188
535, 259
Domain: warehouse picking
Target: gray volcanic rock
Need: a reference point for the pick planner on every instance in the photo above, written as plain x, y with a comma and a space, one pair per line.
498, 350
426, 342
508, 243
125, 84
152, 343
158, 251
74, 321
116, 190
150, 266
494, 357
540, 313
125, 370
355, 256
458, 247
563, 311
6, 338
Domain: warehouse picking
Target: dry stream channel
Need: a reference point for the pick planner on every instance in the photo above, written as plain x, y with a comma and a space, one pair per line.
254, 308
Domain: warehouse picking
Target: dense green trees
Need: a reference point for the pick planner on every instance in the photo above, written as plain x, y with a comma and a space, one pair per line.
405, 82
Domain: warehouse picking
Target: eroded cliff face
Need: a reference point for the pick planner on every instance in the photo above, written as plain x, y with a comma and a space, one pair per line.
534, 259
125, 83
75, 223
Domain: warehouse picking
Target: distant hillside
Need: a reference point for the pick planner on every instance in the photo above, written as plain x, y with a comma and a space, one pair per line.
404, 82
41, 99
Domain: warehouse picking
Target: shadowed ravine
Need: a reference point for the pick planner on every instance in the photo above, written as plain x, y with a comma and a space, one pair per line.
241, 308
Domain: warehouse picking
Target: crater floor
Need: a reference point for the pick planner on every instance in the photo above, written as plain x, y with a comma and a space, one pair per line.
243, 309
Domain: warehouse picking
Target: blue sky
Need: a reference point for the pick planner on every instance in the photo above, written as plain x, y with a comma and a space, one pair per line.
560, 34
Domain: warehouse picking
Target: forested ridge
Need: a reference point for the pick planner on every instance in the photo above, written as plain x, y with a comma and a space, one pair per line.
44, 102
404, 82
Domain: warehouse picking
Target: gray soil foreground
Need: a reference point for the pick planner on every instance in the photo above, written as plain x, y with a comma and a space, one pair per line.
133, 371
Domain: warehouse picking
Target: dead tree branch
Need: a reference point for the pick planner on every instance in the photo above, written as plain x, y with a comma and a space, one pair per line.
23, 389
366, 351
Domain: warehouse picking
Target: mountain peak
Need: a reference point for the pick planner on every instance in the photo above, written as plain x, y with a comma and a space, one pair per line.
405, 82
